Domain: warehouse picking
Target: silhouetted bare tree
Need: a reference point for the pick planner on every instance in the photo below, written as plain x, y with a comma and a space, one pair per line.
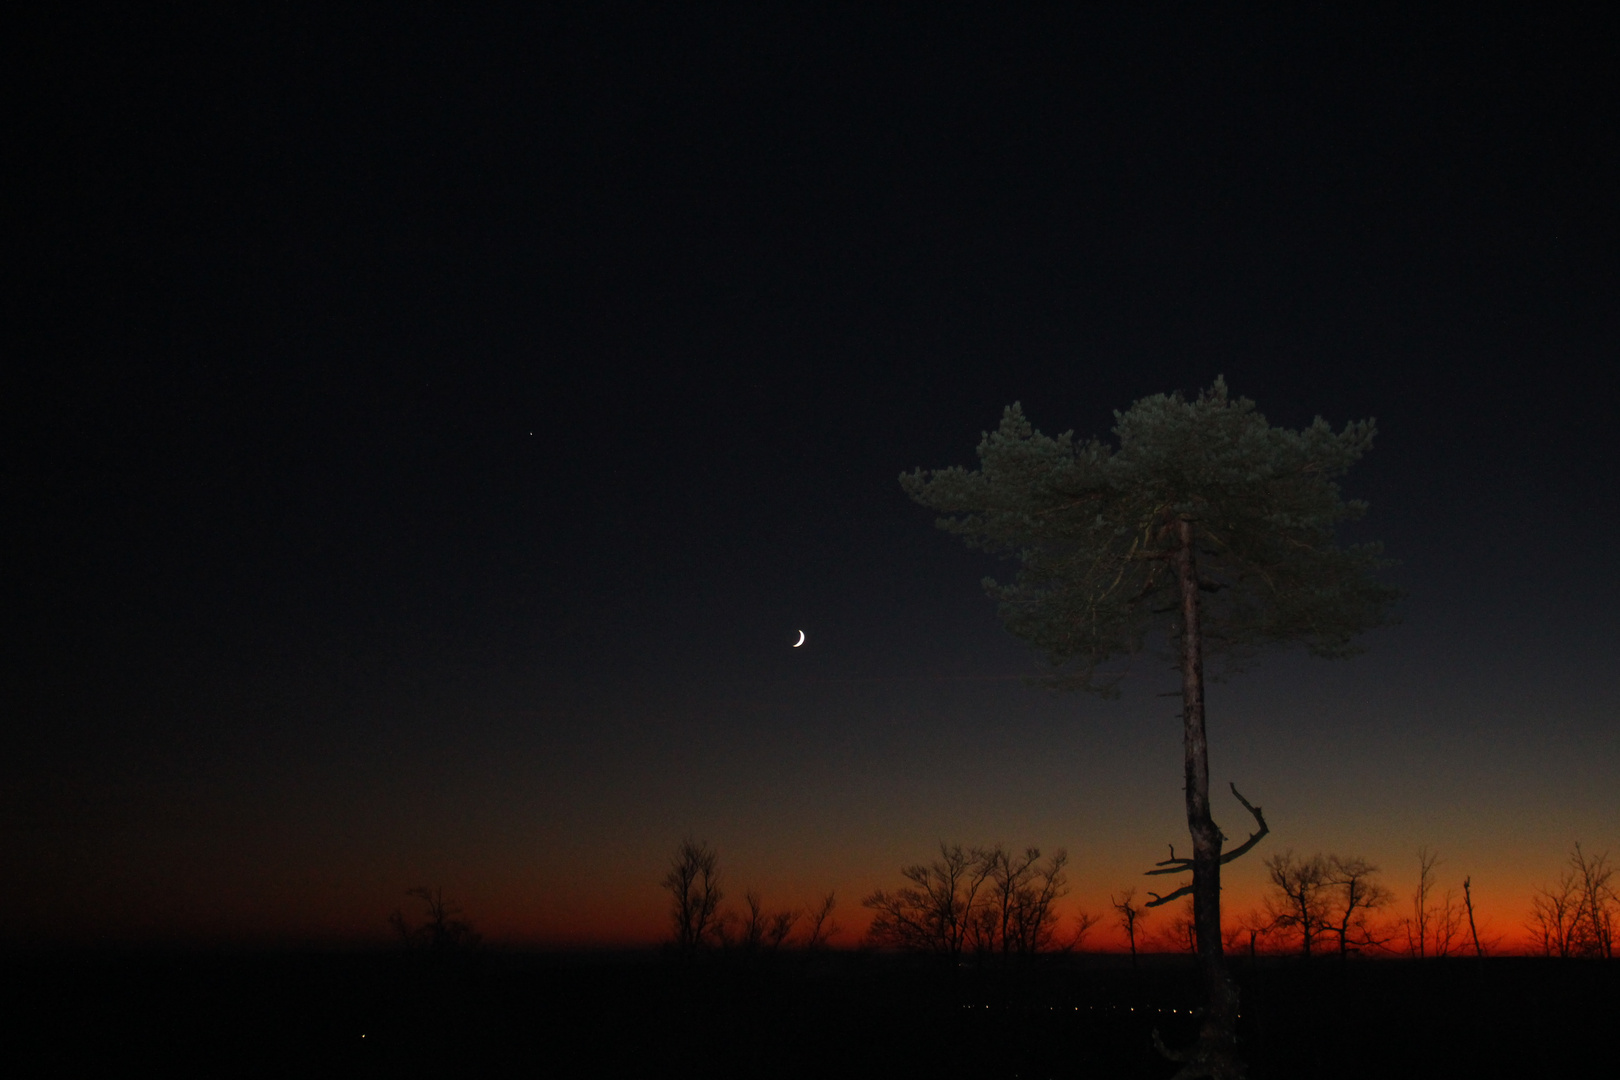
693, 882
1299, 901
1251, 927
781, 925
1354, 896
441, 932
755, 929
936, 912
1595, 913
1017, 917
821, 924
1576, 916
1552, 917
1083, 922
1473, 928
1181, 935
1129, 913
1435, 925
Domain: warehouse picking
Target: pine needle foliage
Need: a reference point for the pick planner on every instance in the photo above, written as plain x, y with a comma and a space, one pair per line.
1095, 528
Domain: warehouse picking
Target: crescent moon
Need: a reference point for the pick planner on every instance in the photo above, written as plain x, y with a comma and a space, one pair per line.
796, 644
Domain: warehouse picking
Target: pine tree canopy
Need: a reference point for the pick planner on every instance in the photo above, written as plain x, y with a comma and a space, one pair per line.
1096, 527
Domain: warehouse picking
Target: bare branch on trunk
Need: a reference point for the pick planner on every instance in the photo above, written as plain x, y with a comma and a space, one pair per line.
1174, 865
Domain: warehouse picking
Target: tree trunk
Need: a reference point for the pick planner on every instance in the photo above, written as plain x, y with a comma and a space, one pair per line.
1215, 1052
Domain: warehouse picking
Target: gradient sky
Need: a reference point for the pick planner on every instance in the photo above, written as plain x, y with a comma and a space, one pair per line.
427, 430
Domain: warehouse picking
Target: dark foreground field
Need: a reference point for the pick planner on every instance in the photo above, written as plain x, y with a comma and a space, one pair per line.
496, 1013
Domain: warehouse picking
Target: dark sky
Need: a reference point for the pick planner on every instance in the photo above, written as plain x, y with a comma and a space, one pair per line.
426, 430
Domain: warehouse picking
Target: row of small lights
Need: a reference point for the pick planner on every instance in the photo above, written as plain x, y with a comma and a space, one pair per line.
1053, 1008
1089, 1008
1092, 1008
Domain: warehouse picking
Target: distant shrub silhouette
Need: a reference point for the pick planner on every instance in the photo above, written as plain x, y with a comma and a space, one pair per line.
441, 932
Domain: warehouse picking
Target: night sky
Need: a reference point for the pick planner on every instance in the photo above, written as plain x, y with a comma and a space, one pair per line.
426, 431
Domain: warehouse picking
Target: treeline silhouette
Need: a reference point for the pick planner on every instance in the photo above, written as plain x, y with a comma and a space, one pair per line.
1337, 905
985, 902
748, 1010
693, 882
997, 903
1329, 904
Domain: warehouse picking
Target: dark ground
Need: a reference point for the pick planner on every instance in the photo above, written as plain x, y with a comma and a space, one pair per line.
504, 1013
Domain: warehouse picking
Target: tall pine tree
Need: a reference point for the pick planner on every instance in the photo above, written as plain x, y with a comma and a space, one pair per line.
1206, 530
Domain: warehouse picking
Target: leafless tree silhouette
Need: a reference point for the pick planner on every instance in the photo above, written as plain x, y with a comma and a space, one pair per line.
1017, 916
1435, 925
755, 929
693, 882
1299, 901
821, 924
1473, 927
1595, 915
1129, 913
936, 912
1251, 928
441, 932
1552, 917
1576, 916
1181, 935
1083, 922
1354, 896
